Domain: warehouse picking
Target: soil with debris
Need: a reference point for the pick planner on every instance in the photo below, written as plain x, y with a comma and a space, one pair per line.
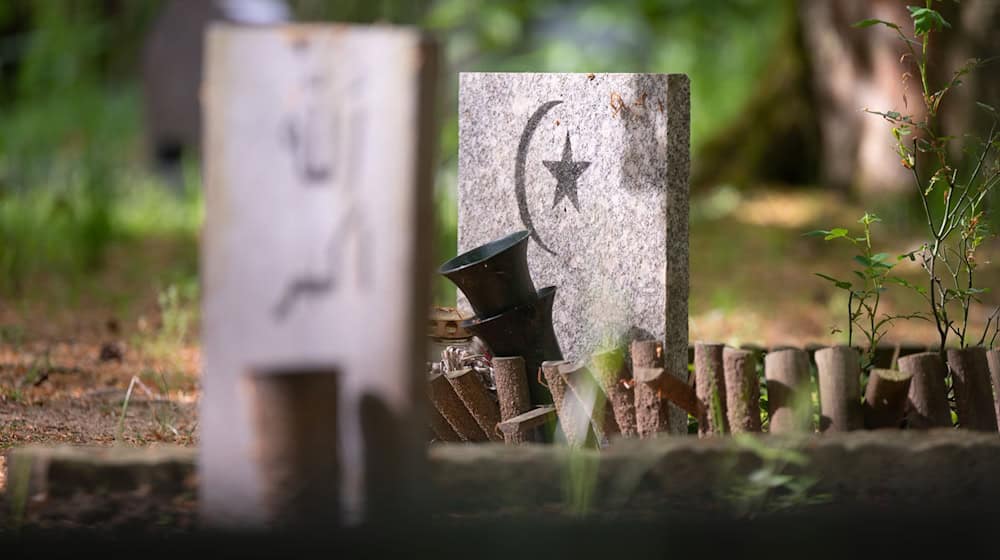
68, 359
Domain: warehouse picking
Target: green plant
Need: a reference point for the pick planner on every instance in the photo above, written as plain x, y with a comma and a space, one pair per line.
952, 195
177, 305
13, 335
779, 483
865, 293
580, 480
20, 484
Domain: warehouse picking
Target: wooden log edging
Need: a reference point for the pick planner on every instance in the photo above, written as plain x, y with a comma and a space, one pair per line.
993, 361
652, 415
885, 398
742, 390
671, 389
523, 425
839, 373
446, 401
565, 403
470, 389
610, 369
441, 428
588, 393
710, 386
512, 393
927, 399
294, 415
789, 395
970, 378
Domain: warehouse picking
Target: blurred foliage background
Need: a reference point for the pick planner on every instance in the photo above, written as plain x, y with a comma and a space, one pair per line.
85, 222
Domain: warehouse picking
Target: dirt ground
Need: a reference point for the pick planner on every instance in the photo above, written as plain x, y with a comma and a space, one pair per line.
67, 362
69, 357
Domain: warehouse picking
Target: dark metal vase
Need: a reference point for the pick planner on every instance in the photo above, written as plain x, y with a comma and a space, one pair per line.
511, 317
524, 330
494, 277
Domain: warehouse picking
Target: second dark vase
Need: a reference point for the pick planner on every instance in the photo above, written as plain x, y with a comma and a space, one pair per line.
524, 330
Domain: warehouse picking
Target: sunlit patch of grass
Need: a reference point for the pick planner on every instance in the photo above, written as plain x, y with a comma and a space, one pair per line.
65, 234
147, 207
178, 307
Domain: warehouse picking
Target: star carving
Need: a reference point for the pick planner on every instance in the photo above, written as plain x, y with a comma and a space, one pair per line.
567, 172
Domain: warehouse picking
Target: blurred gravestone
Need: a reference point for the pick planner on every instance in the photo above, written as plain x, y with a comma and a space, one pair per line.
172, 71
318, 167
596, 168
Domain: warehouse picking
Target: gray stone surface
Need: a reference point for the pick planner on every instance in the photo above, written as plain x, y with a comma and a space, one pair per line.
596, 167
870, 471
62, 470
318, 166
861, 471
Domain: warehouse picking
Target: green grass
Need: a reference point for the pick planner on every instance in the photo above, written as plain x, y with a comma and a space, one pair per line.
65, 235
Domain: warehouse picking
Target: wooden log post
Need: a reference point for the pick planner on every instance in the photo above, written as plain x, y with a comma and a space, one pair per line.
927, 399
742, 390
441, 428
789, 399
839, 371
567, 407
512, 393
652, 414
885, 398
672, 389
970, 377
710, 387
993, 361
453, 409
588, 393
521, 426
610, 369
294, 413
470, 389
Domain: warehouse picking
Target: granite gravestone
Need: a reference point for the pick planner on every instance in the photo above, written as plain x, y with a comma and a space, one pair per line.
596, 167
318, 168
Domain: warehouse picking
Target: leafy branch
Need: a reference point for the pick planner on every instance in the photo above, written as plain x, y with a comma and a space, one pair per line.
865, 293
958, 228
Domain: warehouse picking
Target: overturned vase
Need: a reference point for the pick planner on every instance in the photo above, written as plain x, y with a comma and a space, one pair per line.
524, 330
494, 277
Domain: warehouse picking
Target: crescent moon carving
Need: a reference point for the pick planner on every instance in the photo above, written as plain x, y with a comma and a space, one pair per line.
522, 156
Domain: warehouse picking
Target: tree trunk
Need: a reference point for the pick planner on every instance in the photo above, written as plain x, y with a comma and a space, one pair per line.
854, 69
